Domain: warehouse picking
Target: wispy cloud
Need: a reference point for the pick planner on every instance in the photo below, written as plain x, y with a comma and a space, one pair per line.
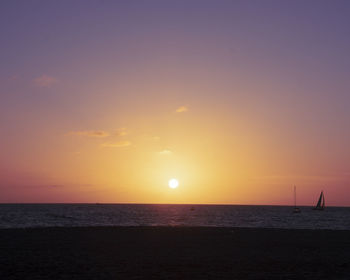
90, 133
155, 138
166, 152
56, 186
121, 132
45, 81
118, 144
182, 109
13, 77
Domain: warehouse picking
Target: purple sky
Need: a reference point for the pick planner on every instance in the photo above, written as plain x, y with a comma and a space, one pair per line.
276, 70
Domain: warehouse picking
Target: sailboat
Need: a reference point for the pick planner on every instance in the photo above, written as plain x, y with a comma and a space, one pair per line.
320, 204
296, 209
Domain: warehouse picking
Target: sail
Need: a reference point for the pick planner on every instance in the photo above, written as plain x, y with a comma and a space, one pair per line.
319, 201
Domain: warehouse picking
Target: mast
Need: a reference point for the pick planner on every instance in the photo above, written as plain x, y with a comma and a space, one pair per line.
323, 202
296, 209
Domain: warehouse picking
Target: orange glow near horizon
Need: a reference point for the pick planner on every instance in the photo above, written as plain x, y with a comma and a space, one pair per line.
215, 161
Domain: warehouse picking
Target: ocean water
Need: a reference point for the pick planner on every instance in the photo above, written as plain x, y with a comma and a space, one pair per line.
71, 215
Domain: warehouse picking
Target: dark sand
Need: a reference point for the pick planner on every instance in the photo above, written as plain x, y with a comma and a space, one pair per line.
173, 253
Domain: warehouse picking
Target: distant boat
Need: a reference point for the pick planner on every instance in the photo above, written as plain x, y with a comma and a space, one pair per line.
321, 203
296, 209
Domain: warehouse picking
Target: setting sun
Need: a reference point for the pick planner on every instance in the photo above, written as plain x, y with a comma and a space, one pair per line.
173, 183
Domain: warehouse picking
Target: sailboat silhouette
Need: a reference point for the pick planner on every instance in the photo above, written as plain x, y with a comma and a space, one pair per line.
321, 202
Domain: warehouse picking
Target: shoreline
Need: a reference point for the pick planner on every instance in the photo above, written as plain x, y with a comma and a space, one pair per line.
173, 253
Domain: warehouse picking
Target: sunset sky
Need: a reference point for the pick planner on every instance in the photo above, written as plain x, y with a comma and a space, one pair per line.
105, 101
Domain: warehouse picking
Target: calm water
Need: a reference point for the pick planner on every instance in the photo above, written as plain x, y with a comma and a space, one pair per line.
67, 215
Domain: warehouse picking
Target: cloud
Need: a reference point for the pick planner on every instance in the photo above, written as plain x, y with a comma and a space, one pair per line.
118, 144
90, 133
182, 109
45, 81
55, 186
166, 152
13, 78
150, 137
121, 132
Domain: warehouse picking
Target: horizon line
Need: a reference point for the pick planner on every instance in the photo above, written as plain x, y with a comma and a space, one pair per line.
199, 204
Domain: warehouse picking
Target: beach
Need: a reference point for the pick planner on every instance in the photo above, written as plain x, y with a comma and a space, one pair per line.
173, 253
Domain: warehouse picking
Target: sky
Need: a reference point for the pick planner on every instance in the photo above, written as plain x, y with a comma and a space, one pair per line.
106, 101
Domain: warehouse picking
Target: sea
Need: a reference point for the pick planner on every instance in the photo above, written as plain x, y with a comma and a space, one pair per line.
86, 215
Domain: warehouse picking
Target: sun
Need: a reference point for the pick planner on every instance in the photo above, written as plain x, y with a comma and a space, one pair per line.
173, 183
